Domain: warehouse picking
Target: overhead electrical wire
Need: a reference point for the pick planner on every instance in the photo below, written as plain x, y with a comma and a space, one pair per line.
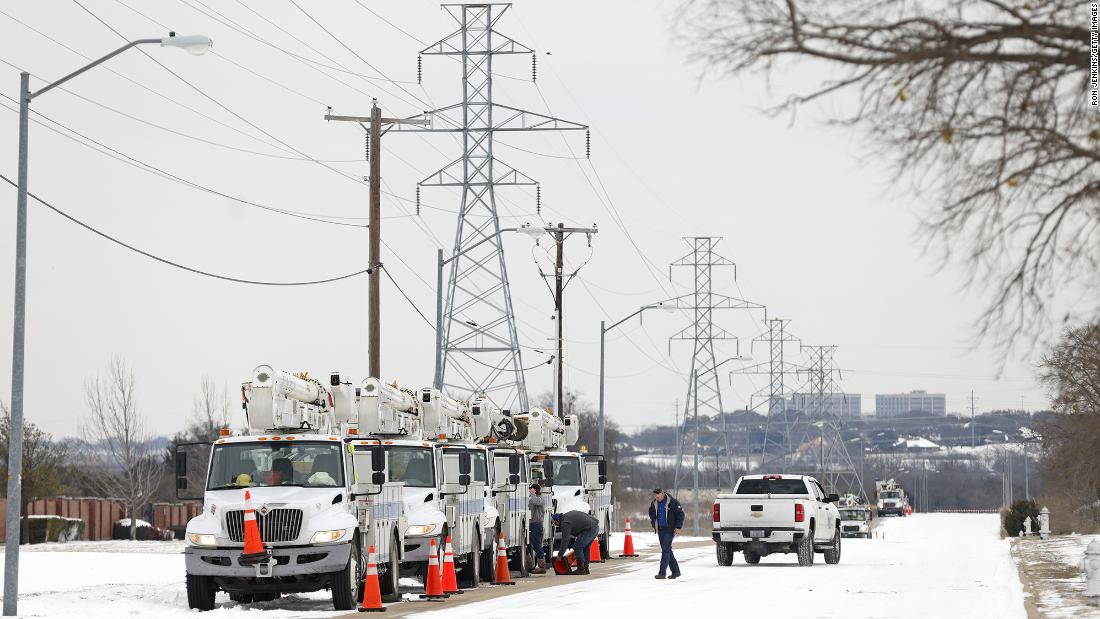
178, 265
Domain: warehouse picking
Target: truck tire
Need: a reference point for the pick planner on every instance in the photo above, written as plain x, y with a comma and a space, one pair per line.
605, 539
806, 549
388, 583
345, 583
751, 557
832, 556
470, 576
489, 557
200, 592
725, 553
519, 561
242, 598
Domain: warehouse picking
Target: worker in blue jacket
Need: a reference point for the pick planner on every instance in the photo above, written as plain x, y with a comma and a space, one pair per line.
667, 518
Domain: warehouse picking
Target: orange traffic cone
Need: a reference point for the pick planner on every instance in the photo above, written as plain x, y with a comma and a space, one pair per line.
594, 555
450, 581
565, 565
372, 597
502, 564
253, 546
628, 542
433, 583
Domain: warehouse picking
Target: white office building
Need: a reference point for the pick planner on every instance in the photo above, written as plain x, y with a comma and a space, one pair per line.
912, 404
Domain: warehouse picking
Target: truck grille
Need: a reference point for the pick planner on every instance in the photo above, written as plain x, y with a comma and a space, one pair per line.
279, 525
851, 527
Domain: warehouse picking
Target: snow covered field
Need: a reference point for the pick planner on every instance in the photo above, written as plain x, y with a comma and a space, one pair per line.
935, 565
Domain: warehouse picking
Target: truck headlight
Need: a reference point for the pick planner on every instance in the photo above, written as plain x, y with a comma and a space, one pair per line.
202, 539
327, 537
421, 529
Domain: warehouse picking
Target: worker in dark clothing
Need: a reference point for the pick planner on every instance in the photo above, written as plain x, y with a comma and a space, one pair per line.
537, 504
584, 529
667, 518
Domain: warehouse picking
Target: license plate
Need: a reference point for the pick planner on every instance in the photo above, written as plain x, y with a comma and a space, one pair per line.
756, 533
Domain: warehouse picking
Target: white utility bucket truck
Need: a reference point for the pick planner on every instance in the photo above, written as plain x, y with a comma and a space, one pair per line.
320, 498
429, 443
572, 480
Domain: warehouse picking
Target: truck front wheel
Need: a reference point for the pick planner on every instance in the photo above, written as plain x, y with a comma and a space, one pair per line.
806, 549
725, 553
200, 592
832, 556
388, 585
346, 582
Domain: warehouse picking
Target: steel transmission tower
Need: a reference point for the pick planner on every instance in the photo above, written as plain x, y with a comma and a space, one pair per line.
480, 346
834, 462
775, 393
704, 392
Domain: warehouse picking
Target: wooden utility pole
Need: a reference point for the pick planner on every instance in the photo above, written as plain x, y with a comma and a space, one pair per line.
374, 301
560, 233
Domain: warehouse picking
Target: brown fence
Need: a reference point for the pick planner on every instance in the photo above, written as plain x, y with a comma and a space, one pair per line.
100, 515
170, 515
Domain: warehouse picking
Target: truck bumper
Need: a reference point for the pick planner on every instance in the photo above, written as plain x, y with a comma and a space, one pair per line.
297, 561
744, 536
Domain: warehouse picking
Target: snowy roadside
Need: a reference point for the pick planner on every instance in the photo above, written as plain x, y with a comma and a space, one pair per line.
1052, 575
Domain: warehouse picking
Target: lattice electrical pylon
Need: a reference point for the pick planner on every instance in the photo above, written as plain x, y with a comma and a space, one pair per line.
704, 390
775, 393
480, 349
834, 463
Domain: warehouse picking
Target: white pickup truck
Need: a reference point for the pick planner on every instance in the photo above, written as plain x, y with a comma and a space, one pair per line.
769, 514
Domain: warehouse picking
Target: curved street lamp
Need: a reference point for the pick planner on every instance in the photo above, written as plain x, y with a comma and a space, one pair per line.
196, 45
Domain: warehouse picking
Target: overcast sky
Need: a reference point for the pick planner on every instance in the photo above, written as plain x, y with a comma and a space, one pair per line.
819, 233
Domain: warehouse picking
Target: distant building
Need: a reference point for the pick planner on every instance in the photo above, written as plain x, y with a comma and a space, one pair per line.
915, 403
839, 404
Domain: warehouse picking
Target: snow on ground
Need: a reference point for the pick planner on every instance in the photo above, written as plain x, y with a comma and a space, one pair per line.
928, 565
1054, 576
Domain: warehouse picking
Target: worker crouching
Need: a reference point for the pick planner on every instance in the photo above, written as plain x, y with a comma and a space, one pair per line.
578, 529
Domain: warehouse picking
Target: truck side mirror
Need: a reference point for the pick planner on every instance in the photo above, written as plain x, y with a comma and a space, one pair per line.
464, 466
464, 479
603, 470
378, 458
181, 467
513, 479
547, 482
181, 483
832, 498
515, 463
378, 478
603, 479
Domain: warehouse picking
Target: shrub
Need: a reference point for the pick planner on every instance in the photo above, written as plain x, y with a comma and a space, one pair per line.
1012, 519
53, 529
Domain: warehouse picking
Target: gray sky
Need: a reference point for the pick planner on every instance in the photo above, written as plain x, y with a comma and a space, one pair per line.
819, 234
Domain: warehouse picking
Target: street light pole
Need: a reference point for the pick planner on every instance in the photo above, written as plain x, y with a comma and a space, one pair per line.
194, 45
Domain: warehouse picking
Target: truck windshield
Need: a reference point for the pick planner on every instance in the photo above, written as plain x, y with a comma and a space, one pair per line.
772, 486
853, 514
249, 465
412, 465
890, 495
565, 471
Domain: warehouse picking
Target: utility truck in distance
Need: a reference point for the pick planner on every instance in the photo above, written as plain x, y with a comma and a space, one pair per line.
319, 495
891, 498
571, 480
768, 514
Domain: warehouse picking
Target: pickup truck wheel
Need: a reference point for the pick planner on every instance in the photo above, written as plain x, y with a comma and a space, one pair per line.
470, 577
832, 557
751, 557
388, 584
200, 592
806, 549
725, 553
345, 583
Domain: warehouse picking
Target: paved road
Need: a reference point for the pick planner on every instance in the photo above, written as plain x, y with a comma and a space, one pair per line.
533, 583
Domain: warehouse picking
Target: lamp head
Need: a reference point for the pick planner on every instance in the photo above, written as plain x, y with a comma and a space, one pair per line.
535, 232
194, 44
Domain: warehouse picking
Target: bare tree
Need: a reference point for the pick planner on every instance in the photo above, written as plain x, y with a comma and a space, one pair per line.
982, 106
123, 460
210, 412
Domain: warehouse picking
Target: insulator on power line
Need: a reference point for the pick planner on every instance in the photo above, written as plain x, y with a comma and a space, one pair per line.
366, 147
534, 66
418, 200
419, 68
538, 199
587, 143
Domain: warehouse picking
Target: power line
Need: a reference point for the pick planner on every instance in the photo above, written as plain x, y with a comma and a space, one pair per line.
176, 264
